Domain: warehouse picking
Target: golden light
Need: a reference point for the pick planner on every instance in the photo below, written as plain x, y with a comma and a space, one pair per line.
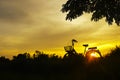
92, 55
95, 55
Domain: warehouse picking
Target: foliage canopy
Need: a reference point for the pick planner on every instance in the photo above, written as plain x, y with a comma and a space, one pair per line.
108, 9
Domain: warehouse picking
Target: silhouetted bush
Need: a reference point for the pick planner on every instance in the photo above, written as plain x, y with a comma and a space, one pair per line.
72, 66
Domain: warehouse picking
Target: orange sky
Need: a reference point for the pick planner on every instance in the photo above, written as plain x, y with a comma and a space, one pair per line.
29, 25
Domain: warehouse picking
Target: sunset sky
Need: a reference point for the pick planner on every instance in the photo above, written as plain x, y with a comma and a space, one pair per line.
29, 25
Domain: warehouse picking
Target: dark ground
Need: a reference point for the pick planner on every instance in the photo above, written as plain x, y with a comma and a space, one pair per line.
52, 67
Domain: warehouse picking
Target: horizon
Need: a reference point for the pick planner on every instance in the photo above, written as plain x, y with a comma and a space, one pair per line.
31, 25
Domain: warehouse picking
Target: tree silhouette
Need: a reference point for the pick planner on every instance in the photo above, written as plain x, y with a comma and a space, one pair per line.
110, 9
42, 66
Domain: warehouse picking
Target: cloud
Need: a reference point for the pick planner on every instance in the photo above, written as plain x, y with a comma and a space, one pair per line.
14, 10
39, 24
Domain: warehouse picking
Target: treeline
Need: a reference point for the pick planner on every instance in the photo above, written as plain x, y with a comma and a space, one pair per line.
42, 66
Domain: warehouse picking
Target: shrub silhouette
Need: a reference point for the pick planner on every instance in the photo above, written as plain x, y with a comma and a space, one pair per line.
52, 67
